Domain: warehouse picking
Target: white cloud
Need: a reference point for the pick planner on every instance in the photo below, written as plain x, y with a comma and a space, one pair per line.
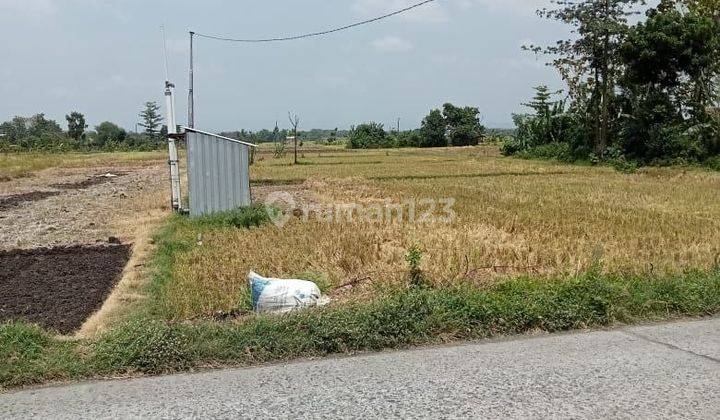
429, 13
392, 44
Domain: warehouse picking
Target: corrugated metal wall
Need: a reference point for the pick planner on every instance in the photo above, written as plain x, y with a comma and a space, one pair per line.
218, 173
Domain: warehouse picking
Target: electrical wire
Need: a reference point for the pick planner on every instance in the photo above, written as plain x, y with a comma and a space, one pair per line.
314, 34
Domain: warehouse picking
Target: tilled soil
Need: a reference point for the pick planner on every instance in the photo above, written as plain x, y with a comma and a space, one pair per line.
65, 238
58, 288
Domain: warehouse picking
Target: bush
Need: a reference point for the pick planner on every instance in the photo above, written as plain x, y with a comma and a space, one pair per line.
369, 136
559, 151
513, 145
409, 139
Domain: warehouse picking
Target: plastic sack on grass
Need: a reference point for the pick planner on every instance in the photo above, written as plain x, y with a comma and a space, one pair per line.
281, 296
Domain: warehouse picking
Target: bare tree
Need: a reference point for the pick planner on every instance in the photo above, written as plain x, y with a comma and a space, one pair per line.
294, 122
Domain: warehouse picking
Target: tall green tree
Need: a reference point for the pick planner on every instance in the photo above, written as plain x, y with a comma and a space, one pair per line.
670, 85
76, 125
433, 130
589, 60
108, 134
462, 125
151, 119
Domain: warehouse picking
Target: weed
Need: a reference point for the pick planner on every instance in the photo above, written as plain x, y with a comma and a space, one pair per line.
244, 217
145, 346
29, 355
414, 259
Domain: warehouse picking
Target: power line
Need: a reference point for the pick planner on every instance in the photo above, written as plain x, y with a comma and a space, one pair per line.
315, 34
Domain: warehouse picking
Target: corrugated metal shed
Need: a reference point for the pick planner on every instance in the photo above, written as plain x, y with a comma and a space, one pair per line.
218, 172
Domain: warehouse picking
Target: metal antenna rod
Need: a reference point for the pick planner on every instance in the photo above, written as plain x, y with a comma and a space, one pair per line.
191, 99
165, 54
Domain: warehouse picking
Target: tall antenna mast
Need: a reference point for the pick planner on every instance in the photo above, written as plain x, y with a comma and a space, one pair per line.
191, 98
165, 54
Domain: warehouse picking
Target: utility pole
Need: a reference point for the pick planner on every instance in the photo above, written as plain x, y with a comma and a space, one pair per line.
398, 125
191, 99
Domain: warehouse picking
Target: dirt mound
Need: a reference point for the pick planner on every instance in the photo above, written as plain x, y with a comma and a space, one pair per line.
58, 288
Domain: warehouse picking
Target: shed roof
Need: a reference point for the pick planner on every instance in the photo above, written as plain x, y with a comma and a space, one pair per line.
195, 130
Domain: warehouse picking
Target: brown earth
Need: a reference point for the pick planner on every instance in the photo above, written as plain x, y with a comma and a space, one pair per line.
78, 206
57, 228
58, 288
16, 200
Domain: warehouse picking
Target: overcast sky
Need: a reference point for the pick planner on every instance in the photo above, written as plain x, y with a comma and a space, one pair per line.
104, 58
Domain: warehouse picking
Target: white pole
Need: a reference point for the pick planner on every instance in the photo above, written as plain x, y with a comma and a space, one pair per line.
173, 160
172, 148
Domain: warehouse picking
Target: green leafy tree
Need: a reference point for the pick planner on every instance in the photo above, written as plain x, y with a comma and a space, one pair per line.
368, 136
589, 60
670, 85
109, 135
36, 132
151, 119
462, 125
15, 129
76, 125
433, 130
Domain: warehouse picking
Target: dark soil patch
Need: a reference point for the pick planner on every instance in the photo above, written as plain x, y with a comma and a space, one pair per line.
90, 182
276, 182
15, 200
58, 288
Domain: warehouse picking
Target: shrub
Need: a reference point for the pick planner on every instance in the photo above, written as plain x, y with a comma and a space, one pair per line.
368, 136
559, 151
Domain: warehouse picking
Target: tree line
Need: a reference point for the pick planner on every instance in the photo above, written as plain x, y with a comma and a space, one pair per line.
451, 126
38, 133
326, 136
643, 85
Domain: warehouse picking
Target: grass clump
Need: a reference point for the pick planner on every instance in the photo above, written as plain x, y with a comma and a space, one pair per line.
28, 355
242, 218
143, 346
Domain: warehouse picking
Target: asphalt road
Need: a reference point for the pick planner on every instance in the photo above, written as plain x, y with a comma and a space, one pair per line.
664, 371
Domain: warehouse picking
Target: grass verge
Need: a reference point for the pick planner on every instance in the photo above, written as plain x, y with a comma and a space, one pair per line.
399, 319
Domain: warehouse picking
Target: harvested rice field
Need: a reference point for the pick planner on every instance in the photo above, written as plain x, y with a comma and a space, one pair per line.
508, 218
